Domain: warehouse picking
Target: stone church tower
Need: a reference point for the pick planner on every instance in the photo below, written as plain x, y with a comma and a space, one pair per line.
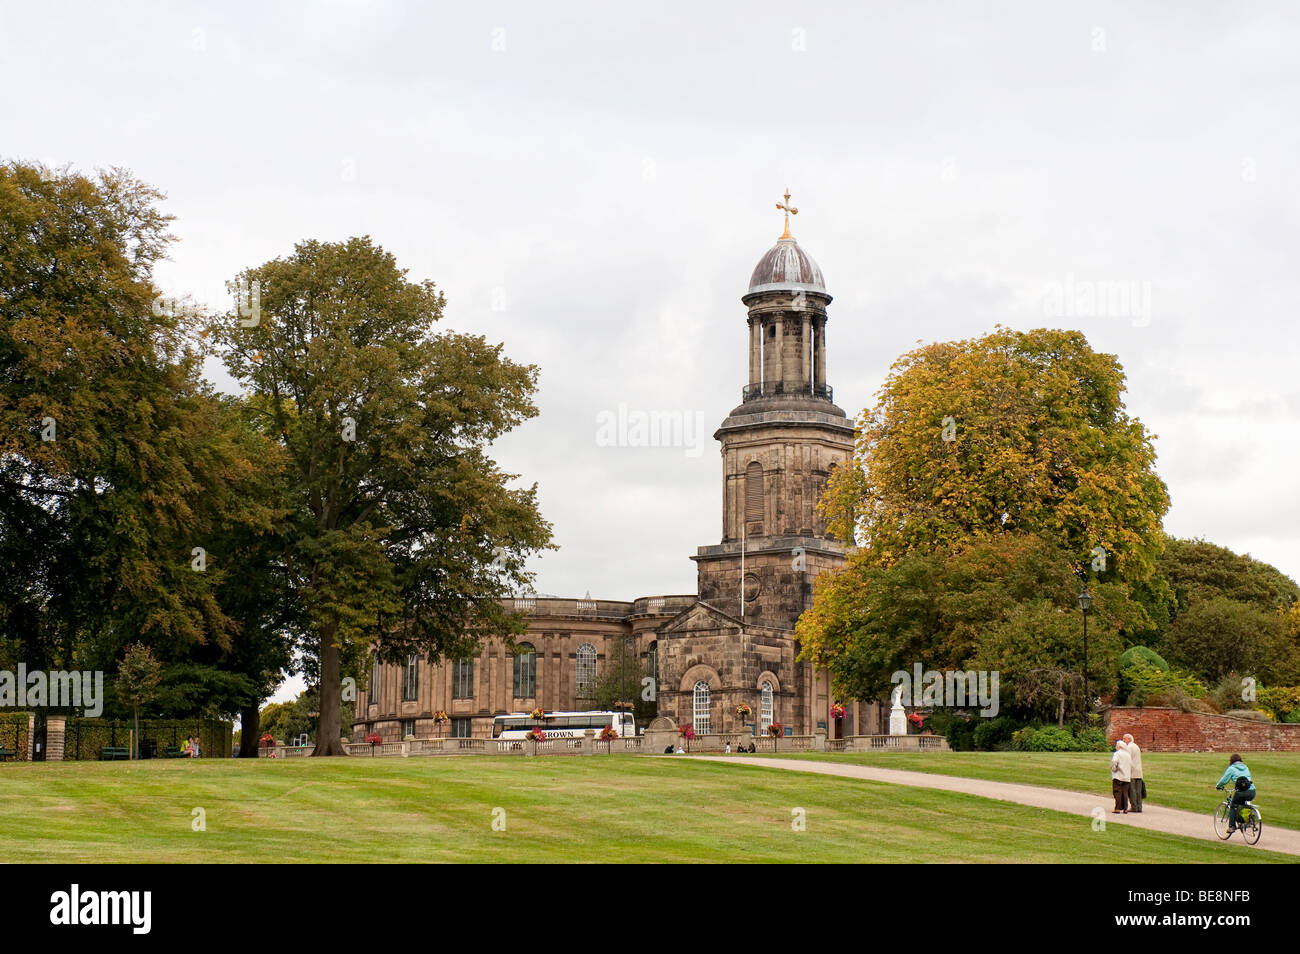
735, 644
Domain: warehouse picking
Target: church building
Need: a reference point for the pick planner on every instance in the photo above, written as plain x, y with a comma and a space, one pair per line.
732, 641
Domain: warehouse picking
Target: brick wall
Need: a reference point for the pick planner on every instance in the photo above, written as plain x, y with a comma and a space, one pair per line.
1172, 730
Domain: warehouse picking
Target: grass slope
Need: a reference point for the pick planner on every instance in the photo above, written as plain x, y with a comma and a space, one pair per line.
1175, 780
605, 809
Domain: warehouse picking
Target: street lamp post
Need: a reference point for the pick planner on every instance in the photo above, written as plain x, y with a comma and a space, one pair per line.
1085, 601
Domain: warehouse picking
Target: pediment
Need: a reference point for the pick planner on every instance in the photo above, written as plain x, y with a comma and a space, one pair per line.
702, 617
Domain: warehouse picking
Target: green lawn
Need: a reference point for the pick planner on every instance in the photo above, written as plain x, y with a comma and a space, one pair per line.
611, 808
1174, 780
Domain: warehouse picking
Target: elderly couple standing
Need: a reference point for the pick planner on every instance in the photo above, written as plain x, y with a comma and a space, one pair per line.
1126, 776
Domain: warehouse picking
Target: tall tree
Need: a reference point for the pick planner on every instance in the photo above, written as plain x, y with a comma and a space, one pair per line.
990, 474
117, 463
399, 523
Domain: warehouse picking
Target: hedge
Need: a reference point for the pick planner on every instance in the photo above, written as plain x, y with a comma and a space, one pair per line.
84, 738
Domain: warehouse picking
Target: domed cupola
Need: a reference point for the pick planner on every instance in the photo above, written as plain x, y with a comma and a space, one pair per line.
787, 301
786, 267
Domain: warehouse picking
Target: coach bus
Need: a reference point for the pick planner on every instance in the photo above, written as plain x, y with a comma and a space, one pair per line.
562, 725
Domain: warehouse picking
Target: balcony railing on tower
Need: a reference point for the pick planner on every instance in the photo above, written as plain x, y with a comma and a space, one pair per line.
751, 392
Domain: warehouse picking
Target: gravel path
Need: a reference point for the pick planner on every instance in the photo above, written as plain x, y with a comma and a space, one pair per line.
1153, 817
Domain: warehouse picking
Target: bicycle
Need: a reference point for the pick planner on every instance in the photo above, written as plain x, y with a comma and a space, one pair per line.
1250, 822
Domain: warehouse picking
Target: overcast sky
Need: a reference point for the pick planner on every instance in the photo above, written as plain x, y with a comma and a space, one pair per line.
591, 184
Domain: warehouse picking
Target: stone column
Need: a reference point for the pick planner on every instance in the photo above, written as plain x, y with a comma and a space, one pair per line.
819, 351
755, 352
778, 362
805, 355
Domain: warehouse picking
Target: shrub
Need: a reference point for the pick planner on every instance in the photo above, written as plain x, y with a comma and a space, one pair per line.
1021, 737
1253, 714
955, 725
1227, 693
1051, 739
992, 734
1140, 655
1141, 684
1092, 740
1283, 700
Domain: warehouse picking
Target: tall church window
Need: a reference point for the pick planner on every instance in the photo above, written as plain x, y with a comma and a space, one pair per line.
754, 491
702, 723
411, 679
653, 661
462, 679
525, 672
765, 708
586, 674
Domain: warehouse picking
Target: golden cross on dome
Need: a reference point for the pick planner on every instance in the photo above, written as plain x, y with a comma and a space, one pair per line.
789, 211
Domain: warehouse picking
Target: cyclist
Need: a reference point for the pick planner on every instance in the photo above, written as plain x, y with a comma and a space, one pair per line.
1243, 787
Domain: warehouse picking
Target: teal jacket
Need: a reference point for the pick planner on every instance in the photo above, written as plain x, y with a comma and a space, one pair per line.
1233, 772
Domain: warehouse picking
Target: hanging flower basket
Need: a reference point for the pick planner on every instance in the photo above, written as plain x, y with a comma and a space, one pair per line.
536, 735
538, 713
743, 712
374, 738
838, 710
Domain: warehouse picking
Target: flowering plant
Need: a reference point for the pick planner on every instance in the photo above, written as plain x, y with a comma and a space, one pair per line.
608, 734
536, 735
538, 713
374, 738
743, 711
267, 740
837, 710
775, 729
440, 718
688, 731
916, 719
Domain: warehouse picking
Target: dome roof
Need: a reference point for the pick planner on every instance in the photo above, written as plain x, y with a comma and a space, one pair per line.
786, 265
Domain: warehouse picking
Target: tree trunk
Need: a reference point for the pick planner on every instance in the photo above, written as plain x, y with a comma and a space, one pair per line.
1060, 714
329, 730
250, 728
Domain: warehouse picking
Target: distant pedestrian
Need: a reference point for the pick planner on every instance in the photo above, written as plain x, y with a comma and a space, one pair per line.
1121, 767
1137, 788
728, 750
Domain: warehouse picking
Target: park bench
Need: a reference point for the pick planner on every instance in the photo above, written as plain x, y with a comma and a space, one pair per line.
113, 753
173, 752
6, 754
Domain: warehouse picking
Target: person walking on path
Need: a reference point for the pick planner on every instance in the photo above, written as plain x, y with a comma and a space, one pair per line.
1121, 767
1137, 789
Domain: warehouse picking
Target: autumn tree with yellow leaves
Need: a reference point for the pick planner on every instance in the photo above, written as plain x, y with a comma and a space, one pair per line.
991, 475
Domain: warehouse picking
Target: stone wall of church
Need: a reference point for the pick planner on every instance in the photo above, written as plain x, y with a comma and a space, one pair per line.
557, 629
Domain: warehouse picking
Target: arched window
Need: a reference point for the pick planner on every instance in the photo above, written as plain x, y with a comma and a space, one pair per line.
653, 661
525, 672
586, 675
754, 491
411, 679
765, 708
703, 724
372, 692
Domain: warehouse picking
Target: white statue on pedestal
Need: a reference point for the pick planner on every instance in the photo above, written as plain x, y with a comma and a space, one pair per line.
897, 717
